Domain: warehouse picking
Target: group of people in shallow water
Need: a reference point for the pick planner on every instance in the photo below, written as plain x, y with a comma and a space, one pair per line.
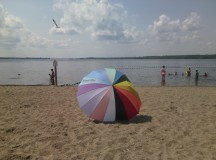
188, 74
163, 75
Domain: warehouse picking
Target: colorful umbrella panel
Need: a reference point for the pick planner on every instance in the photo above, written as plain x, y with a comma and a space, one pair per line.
108, 95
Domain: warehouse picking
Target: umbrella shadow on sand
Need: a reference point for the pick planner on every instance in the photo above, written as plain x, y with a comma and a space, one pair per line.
137, 119
141, 119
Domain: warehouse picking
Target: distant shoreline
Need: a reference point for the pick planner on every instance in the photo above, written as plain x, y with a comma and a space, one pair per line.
207, 56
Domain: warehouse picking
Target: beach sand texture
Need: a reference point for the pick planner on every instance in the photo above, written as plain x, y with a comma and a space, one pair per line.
46, 123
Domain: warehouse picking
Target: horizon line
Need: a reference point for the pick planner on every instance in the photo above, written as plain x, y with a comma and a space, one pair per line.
132, 57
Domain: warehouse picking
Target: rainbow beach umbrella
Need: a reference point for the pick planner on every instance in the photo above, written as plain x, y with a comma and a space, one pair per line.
108, 95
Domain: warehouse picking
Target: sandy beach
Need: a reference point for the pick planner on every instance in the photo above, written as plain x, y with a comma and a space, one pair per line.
46, 123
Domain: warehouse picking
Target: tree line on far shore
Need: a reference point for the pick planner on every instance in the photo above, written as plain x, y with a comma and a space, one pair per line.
204, 56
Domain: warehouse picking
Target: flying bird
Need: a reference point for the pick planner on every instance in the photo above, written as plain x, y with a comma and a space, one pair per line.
56, 24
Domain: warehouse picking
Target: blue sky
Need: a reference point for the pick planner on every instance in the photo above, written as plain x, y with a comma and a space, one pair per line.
106, 28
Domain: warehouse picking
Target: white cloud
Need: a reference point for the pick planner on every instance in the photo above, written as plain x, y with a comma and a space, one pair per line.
191, 23
13, 34
99, 18
169, 30
65, 30
101, 21
164, 24
13, 22
2, 12
9, 29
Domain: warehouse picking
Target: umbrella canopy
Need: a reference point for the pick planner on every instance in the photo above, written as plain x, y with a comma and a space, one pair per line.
108, 95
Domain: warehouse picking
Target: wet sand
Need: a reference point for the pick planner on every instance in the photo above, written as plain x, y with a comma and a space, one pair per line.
45, 122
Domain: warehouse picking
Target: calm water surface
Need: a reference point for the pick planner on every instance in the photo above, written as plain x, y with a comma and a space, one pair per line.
140, 72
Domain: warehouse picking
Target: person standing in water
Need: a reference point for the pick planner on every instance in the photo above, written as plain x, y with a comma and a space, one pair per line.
188, 72
197, 75
52, 76
163, 73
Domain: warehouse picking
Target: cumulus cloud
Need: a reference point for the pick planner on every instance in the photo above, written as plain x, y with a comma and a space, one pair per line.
164, 24
13, 22
14, 34
166, 29
65, 30
191, 23
9, 25
101, 19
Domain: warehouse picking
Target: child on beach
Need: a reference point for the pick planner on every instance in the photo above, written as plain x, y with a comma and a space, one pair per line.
52, 75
